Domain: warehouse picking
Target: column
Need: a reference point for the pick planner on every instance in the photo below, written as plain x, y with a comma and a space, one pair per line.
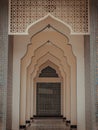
94, 63
3, 61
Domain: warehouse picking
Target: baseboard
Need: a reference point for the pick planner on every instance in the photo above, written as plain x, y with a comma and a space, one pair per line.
31, 118
22, 126
73, 126
15, 129
64, 118
28, 121
68, 121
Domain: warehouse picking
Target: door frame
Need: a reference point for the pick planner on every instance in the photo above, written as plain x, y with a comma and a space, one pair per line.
54, 85
46, 80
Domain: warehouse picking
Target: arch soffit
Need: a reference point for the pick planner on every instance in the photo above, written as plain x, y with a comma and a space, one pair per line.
38, 44
48, 30
64, 28
61, 73
51, 64
44, 58
47, 52
49, 47
65, 64
44, 63
40, 41
58, 68
65, 71
51, 52
49, 56
63, 76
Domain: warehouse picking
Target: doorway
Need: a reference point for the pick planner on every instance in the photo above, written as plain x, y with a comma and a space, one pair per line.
48, 99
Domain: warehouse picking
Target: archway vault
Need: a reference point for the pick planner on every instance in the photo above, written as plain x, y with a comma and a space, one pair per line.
49, 40
38, 59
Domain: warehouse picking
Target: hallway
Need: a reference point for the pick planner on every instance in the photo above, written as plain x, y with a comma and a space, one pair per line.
49, 124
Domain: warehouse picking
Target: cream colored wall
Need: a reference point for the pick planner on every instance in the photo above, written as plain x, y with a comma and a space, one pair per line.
19, 49
20, 46
78, 49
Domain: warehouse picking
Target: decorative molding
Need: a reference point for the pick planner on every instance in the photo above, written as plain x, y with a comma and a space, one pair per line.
23, 14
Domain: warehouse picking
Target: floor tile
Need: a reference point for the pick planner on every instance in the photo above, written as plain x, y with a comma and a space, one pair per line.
49, 124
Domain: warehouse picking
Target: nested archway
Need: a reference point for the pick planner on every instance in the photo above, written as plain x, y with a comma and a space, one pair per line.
63, 61
45, 41
64, 69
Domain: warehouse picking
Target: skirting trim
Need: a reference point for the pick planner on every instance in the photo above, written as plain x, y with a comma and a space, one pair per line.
68, 121
73, 126
31, 118
64, 119
27, 121
22, 126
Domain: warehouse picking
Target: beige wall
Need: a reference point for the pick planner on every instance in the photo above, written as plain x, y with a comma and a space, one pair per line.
78, 49
20, 47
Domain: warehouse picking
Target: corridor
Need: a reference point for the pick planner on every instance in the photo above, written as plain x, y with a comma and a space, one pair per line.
49, 124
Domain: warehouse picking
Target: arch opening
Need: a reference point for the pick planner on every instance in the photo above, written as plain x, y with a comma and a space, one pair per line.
48, 72
48, 92
43, 43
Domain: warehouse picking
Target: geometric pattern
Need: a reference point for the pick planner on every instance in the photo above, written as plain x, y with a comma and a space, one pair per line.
22, 13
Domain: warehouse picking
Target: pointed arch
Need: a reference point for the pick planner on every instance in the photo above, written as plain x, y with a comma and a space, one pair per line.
49, 44
50, 19
44, 63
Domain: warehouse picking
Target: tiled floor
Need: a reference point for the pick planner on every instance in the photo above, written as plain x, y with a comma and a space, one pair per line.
49, 124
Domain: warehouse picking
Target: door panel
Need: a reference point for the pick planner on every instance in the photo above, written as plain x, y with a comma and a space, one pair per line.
48, 99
